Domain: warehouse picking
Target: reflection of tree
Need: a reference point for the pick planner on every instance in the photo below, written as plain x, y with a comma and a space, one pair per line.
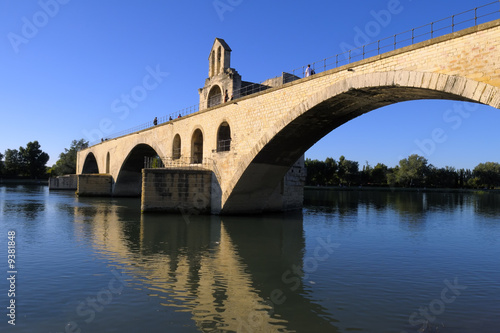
28, 210
412, 205
24, 201
487, 204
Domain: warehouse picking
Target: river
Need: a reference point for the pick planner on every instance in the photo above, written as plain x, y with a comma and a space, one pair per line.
350, 261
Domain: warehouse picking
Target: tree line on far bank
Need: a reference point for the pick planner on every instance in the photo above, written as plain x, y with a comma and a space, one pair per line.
30, 161
413, 171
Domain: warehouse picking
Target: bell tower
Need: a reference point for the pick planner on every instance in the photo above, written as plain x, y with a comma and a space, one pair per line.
223, 82
219, 59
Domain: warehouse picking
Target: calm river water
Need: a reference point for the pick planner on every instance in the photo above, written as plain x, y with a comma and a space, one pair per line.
349, 262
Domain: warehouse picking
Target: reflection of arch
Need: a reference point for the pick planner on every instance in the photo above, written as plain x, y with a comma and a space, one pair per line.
90, 165
214, 96
176, 147
129, 180
224, 137
197, 146
107, 162
329, 108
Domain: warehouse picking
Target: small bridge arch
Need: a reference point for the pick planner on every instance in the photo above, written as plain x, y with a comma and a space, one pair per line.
90, 165
129, 178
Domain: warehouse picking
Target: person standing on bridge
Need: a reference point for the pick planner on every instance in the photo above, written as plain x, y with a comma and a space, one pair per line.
308, 71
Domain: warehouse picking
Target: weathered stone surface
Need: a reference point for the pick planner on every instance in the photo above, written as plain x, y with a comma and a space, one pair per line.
67, 182
177, 191
93, 185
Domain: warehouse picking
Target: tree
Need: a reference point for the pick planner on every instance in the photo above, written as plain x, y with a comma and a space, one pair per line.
464, 178
1, 164
34, 160
487, 174
348, 170
365, 176
321, 173
331, 168
446, 177
66, 164
379, 174
412, 171
14, 165
392, 176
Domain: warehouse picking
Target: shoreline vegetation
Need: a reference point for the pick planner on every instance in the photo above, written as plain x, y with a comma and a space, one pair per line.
399, 189
13, 181
413, 172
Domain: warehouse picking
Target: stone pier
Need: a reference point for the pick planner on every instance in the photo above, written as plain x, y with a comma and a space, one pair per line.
94, 185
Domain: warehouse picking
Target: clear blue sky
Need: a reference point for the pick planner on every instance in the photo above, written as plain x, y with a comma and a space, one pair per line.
65, 63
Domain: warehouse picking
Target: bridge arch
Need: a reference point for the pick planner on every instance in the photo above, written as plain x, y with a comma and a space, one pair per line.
129, 179
223, 137
214, 96
289, 138
90, 165
197, 146
176, 147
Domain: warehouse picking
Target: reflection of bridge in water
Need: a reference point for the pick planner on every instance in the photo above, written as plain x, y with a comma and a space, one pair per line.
232, 275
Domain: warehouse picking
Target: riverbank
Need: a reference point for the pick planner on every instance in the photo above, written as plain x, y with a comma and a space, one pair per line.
43, 182
398, 189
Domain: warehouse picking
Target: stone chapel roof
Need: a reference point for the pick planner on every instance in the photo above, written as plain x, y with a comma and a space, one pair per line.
223, 43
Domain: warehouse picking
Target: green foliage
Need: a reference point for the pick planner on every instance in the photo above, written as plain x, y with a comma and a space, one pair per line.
379, 174
34, 160
66, 164
28, 161
348, 171
487, 175
1, 165
13, 163
321, 173
413, 171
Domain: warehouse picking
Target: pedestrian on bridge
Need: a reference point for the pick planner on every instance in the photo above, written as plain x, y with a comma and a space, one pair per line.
308, 71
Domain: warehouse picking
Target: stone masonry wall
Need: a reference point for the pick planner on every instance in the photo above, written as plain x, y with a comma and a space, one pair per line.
90, 185
176, 191
67, 182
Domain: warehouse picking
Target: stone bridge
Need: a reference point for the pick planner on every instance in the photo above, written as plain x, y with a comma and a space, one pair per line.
245, 155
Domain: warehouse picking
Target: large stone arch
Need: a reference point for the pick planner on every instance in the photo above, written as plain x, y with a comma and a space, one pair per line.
129, 179
261, 170
90, 165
